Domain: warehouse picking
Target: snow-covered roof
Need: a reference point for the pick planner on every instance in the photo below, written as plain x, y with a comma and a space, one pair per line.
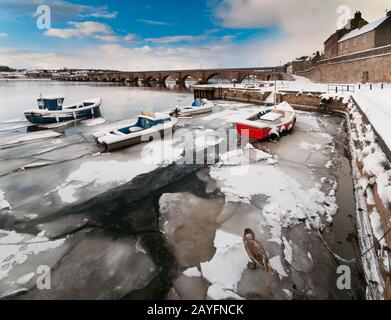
367, 28
51, 97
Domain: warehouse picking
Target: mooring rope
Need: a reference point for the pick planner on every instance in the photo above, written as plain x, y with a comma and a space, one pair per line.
354, 259
24, 243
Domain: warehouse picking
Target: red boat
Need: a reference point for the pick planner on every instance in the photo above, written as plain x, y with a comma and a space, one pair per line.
269, 123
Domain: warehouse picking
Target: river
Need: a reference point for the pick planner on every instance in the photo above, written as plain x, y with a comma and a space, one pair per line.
119, 102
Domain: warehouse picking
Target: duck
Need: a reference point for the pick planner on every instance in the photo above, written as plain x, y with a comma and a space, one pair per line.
256, 252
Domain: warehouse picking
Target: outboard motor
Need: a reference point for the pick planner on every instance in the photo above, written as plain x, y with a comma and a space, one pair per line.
175, 112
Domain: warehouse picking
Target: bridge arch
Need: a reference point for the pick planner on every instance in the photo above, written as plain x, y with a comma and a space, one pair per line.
217, 77
140, 81
169, 81
152, 80
249, 77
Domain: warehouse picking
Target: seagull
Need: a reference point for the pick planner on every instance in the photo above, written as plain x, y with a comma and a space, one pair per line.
256, 252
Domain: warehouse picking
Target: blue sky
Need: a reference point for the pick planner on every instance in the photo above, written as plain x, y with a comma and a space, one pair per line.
155, 34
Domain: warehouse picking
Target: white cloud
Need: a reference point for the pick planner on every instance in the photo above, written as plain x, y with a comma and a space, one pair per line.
89, 29
174, 39
61, 10
104, 15
114, 38
155, 22
80, 29
3, 34
303, 25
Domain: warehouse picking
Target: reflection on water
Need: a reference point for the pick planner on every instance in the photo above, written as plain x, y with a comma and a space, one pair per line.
119, 101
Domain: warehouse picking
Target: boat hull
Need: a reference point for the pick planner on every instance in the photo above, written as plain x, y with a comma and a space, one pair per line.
272, 130
38, 117
107, 147
195, 111
260, 134
110, 140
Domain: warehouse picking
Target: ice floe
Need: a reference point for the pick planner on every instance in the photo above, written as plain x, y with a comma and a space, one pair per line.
15, 249
29, 137
4, 204
225, 269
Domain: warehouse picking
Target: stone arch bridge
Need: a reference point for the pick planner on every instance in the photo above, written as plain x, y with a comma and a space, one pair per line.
202, 76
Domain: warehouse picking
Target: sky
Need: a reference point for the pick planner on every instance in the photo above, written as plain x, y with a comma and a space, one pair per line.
170, 34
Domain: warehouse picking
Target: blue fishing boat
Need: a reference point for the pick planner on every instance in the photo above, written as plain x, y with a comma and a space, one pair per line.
51, 110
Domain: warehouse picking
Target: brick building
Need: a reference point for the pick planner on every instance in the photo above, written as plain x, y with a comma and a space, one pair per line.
331, 44
372, 35
303, 63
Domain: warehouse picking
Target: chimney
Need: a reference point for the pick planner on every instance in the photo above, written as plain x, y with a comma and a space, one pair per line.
357, 15
388, 13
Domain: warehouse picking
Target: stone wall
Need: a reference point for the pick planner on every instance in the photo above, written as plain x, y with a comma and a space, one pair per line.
352, 71
362, 42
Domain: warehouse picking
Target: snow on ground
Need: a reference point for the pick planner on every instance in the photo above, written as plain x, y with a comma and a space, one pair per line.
363, 147
288, 201
375, 164
376, 105
100, 173
377, 227
192, 272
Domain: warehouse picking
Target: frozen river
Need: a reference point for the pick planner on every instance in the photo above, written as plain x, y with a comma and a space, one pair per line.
140, 223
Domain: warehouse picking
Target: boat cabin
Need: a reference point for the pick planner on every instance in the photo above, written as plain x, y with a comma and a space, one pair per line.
199, 102
52, 103
143, 122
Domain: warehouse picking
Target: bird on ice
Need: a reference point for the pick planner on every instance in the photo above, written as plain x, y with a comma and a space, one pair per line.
256, 252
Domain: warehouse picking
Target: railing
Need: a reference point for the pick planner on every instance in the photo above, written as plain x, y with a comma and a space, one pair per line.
283, 86
340, 88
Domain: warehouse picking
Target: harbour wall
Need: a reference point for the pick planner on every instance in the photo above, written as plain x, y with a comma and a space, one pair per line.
372, 65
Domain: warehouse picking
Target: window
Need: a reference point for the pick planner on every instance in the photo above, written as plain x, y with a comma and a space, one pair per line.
364, 39
341, 46
354, 42
346, 44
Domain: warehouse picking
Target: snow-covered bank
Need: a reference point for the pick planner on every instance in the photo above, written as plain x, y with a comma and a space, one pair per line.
371, 173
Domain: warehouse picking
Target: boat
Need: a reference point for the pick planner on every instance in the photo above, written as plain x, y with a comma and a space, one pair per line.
198, 106
268, 123
51, 110
145, 128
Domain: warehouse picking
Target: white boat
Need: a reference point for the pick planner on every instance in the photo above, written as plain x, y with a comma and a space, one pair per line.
144, 129
51, 110
198, 106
